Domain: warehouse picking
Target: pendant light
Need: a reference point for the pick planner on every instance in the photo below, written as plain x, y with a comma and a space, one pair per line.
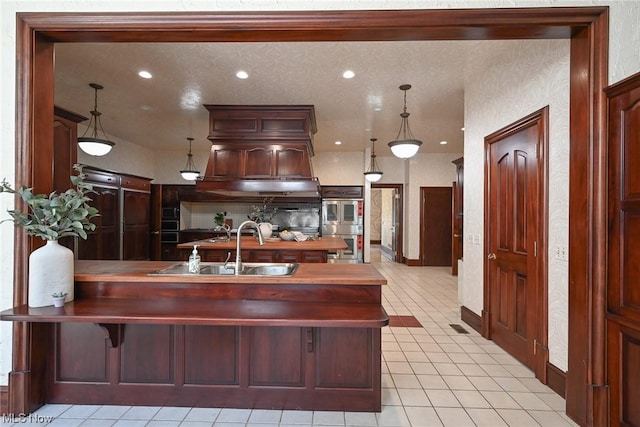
94, 145
405, 145
373, 174
190, 173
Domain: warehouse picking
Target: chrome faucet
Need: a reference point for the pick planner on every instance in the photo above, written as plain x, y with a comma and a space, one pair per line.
226, 229
239, 267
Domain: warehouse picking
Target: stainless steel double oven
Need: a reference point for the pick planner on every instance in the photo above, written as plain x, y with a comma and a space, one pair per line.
344, 218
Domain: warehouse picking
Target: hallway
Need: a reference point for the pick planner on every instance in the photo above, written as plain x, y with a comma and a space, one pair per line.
432, 376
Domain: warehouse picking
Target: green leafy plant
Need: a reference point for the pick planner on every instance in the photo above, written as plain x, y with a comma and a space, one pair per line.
219, 218
53, 216
262, 213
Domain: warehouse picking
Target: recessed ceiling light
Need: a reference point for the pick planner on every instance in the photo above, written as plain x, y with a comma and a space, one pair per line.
338, 142
145, 74
242, 74
443, 142
348, 74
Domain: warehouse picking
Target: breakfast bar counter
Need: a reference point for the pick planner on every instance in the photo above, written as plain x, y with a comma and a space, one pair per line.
310, 340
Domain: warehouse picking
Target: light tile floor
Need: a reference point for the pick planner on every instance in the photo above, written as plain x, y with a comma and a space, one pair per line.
431, 376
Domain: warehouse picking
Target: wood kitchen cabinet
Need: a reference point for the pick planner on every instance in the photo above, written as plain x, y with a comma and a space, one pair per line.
308, 341
249, 161
341, 191
65, 154
123, 226
65, 146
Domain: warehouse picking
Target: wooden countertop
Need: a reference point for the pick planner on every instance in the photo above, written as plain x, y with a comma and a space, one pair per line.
251, 243
114, 292
307, 273
205, 312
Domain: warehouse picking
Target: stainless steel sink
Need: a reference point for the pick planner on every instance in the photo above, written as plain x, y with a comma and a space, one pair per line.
219, 269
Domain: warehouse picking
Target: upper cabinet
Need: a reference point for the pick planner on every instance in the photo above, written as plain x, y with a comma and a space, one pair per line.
342, 192
65, 146
260, 141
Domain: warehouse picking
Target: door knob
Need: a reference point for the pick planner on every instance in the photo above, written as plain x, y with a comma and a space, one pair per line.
491, 256
457, 236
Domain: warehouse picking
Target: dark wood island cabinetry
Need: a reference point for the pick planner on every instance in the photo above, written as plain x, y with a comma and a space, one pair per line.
307, 341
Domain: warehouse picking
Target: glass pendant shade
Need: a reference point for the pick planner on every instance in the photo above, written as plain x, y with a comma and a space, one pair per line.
373, 174
190, 172
93, 144
405, 145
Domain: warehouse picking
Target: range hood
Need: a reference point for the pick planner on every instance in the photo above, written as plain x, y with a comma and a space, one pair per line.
261, 151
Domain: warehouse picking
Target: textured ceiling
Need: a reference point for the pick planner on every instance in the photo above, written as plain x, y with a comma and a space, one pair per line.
161, 112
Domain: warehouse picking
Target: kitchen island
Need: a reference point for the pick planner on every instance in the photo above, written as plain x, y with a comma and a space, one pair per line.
306, 341
272, 251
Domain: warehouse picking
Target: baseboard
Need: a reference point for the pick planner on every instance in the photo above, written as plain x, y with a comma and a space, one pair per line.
471, 319
375, 242
556, 380
412, 262
4, 400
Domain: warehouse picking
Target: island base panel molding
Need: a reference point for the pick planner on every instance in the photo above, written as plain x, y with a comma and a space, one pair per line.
217, 366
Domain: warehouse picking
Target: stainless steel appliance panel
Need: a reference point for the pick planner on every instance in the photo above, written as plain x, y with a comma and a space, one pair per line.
342, 211
332, 229
353, 253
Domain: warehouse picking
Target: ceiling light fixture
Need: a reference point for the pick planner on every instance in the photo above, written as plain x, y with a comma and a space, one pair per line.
190, 173
348, 74
145, 74
242, 75
373, 174
405, 145
93, 145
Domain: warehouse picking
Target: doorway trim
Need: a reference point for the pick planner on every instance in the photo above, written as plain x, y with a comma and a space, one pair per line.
586, 27
539, 119
399, 255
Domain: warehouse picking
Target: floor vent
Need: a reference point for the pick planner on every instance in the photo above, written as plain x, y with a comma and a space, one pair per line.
459, 329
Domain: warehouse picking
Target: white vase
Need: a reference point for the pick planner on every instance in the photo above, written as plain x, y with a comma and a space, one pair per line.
50, 271
266, 229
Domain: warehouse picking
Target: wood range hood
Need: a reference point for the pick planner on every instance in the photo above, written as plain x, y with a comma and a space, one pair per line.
261, 151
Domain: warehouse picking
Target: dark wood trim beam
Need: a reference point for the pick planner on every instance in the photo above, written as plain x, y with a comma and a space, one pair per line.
388, 25
588, 225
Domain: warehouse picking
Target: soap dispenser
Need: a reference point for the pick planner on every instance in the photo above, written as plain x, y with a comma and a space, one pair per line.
194, 260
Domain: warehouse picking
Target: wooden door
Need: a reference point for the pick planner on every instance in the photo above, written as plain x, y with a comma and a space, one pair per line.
435, 227
513, 224
623, 293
